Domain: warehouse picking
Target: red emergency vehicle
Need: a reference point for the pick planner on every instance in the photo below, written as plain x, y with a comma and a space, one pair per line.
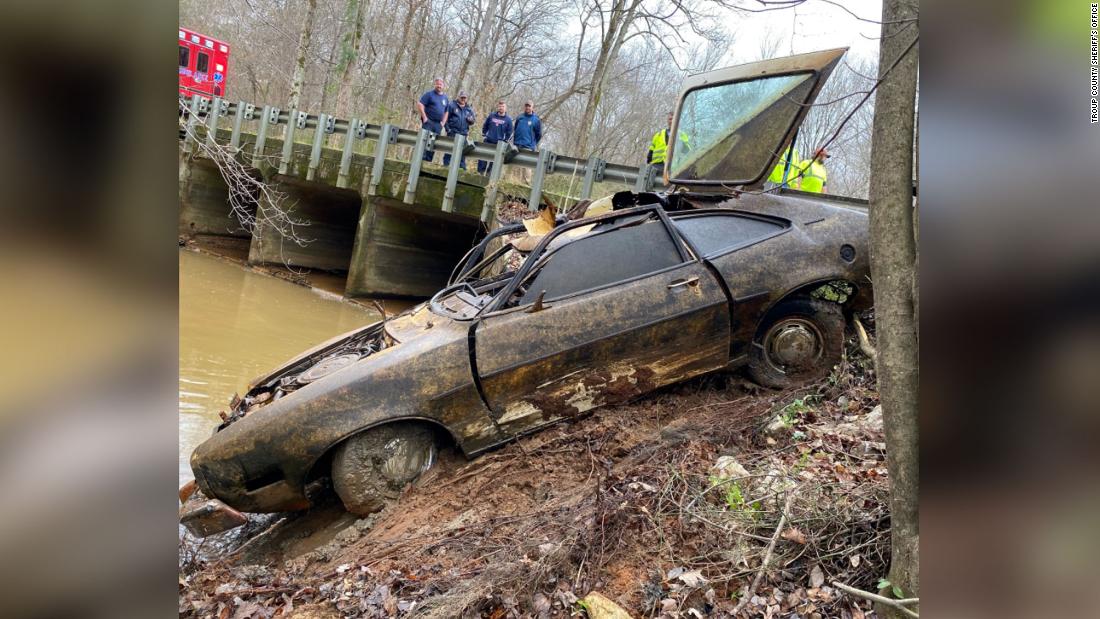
204, 64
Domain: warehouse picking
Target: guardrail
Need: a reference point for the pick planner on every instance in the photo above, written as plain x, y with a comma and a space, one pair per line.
543, 162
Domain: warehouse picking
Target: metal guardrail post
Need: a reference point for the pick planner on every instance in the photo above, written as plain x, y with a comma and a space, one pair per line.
544, 166
490, 199
212, 123
593, 173
645, 176
387, 136
345, 157
261, 135
297, 120
318, 138
238, 120
192, 118
422, 140
452, 174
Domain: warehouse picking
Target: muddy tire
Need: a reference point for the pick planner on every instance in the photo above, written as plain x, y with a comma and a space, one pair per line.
799, 342
371, 468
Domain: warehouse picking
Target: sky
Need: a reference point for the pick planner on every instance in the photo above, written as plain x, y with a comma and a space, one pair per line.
816, 25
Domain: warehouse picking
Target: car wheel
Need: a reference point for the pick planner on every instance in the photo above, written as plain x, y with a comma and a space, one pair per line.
799, 342
371, 468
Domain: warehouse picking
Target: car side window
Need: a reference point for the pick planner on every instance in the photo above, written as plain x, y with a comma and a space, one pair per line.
711, 234
604, 258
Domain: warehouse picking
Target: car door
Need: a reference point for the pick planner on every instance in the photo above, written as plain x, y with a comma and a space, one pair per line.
625, 310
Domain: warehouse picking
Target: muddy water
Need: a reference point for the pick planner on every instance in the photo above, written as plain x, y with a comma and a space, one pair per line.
236, 324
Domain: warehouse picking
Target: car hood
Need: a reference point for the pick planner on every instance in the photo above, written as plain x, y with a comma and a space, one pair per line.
330, 357
731, 124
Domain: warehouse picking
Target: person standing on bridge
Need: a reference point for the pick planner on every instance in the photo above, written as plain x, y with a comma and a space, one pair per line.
497, 127
528, 128
460, 117
433, 106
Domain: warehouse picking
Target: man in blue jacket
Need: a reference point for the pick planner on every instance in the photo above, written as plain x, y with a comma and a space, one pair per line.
528, 129
433, 107
460, 117
496, 128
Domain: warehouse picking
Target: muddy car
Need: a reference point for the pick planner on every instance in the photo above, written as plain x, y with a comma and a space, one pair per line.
533, 330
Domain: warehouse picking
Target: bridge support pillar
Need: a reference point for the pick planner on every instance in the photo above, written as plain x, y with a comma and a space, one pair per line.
406, 250
313, 226
204, 201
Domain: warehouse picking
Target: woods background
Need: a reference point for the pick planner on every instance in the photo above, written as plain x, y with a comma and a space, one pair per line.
602, 73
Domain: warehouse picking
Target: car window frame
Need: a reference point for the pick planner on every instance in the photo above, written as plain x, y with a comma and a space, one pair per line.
687, 256
815, 78
786, 224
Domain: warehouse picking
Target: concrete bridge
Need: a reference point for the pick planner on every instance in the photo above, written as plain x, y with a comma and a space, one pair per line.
359, 193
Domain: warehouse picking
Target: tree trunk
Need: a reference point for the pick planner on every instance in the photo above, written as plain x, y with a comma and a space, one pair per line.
893, 262
475, 47
411, 92
328, 79
618, 26
356, 11
300, 58
391, 74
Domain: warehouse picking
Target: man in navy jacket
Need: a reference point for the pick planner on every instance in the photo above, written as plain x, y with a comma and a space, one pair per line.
460, 117
433, 106
496, 128
528, 129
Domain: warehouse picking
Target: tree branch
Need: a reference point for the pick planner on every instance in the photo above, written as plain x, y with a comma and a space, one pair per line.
874, 597
767, 556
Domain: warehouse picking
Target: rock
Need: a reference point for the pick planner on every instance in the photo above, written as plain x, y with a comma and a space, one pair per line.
365, 524
872, 421
872, 448
348, 535
777, 426
599, 607
254, 573
727, 467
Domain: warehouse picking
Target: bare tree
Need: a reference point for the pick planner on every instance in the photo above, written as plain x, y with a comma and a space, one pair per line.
355, 12
482, 33
850, 165
300, 56
893, 270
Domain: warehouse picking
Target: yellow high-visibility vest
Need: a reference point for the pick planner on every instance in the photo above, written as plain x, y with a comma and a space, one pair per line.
813, 177
659, 146
777, 172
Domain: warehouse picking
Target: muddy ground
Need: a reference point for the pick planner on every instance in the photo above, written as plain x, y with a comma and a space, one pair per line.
666, 505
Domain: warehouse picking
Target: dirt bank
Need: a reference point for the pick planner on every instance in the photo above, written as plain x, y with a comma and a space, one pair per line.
666, 506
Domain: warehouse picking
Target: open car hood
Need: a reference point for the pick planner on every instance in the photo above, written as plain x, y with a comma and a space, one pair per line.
731, 124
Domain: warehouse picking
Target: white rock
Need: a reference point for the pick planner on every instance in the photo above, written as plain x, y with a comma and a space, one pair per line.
776, 426
873, 420
727, 467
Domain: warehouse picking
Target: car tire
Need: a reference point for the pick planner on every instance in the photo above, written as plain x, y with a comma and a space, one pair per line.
799, 341
371, 468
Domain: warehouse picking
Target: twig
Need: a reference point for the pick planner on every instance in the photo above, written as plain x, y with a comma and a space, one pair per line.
874, 597
767, 555
865, 342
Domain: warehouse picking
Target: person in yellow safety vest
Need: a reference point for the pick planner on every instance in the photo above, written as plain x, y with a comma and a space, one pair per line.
813, 177
777, 172
658, 148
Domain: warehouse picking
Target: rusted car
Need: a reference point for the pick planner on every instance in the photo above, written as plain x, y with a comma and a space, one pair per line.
597, 310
